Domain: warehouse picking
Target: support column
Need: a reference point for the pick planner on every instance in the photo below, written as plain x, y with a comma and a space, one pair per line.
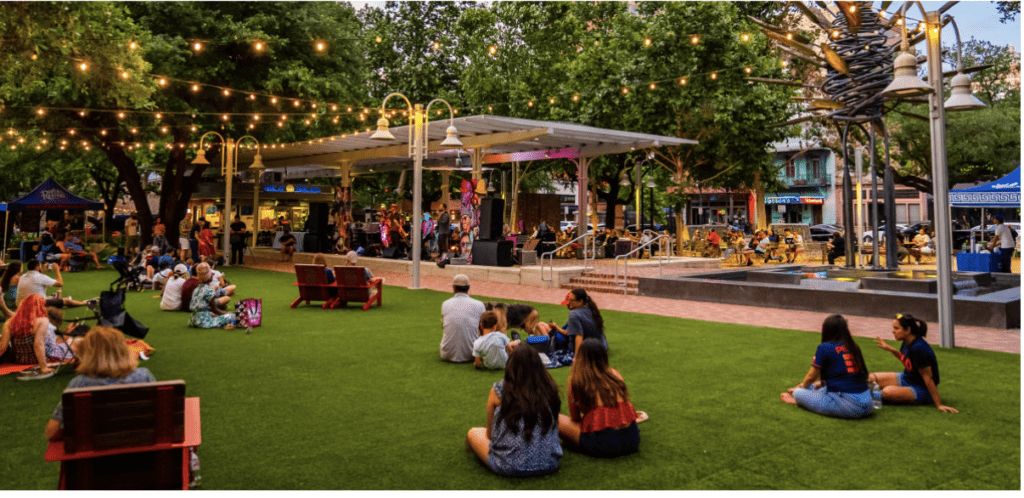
583, 194
446, 180
514, 192
477, 156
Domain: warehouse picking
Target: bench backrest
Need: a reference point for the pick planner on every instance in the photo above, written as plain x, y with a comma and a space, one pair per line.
310, 274
350, 276
123, 416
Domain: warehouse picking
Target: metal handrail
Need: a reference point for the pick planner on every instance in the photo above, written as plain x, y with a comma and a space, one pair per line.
662, 258
551, 255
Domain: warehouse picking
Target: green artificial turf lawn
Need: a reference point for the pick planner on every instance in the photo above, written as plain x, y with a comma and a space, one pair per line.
348, 399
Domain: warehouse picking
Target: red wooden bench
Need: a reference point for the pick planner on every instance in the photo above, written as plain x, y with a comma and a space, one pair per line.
134, 436
351, 285
313, 286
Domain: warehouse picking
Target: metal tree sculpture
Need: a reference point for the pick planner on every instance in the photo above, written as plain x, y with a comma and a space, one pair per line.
858, 59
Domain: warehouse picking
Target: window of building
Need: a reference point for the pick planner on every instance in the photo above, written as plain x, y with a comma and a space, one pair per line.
790, 169
815, 168
915, 212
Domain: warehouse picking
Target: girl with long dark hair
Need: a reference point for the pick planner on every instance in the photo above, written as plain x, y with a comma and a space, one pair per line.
585, 320
843, 391
601, 421
919, 381
521, 437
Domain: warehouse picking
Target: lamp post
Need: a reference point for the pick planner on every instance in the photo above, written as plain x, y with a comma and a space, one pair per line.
256, 169
228, 166
624, 181
905, 84
418, 143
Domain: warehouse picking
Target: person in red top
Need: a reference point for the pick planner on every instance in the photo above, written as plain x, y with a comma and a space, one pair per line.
602, 421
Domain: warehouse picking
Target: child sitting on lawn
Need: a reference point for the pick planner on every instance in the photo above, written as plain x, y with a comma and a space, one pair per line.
521, 436
491, 349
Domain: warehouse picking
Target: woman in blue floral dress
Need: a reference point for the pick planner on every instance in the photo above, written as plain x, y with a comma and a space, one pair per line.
203, 314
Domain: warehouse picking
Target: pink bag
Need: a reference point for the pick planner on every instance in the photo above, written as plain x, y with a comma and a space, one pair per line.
249, 312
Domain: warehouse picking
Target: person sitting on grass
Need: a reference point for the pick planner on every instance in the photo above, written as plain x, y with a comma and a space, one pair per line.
160, 278
842, 390
521, 436
104, 360
74, 246
287, 245
35, 282
50, 251
33, 338
207, 308
491, 349
585, 320
170, 298
919, 381
602, 421
9, 284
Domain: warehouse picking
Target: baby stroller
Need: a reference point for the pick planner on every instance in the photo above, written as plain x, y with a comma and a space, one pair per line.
130, 277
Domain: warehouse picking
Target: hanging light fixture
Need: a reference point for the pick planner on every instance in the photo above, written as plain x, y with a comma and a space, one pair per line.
451, 139
962, 98
906, 82
650, 183
624, 179
382, 132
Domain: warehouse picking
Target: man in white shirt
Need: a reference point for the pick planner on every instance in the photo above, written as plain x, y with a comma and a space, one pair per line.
460, 319
34, 282
1003, 239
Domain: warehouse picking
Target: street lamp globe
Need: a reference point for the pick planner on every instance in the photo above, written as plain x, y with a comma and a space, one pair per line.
382, 132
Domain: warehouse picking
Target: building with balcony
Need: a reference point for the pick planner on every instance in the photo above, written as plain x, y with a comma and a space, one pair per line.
808, 171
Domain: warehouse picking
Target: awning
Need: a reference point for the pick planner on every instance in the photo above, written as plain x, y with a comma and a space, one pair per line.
1002, 193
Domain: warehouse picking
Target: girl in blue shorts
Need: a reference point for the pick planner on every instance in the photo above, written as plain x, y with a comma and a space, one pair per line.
843, 390
521, 437
918, 384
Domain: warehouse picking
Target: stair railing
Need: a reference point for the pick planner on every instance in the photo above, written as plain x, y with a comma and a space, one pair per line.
662, 259
588, 256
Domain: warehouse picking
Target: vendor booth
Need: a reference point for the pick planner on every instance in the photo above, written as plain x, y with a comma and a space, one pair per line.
1002, 193
48, 195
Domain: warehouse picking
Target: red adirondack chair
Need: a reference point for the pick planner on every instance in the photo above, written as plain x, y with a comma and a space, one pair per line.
313, 286
351, 285
133, 436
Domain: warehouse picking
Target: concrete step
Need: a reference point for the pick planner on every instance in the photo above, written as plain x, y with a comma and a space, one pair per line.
586, 280
607, 289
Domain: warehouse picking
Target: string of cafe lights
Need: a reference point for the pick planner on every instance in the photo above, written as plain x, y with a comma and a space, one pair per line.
353, 110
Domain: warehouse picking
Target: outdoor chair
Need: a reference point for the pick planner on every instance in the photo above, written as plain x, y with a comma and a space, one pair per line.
351, 286
313, 286
134, 436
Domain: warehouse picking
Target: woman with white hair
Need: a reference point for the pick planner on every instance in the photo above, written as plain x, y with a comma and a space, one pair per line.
206, 307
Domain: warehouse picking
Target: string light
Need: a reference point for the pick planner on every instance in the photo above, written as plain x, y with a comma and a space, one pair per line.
695, 39
492, 50
789, 36
529, 104
625, 90
295, 102
83, 66
195, 88
320, 46
255, 117
161, 82
252, 96
193, 128
747, 69
653, 86
682, 81
575, 98
714, 76
259, 46
163, 130
197, 46
437, 45
551, 101
378, 39
81, 114
853, 8
647, 42
746, 37
273, 100
120, 115
124, 74
132, 45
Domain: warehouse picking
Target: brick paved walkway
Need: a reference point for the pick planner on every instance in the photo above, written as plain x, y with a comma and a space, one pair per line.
969, 337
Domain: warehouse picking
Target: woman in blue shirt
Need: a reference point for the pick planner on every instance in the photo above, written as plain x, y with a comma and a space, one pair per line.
843, 390
919, 381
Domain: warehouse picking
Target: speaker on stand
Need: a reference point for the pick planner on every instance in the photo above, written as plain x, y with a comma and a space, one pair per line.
491, 218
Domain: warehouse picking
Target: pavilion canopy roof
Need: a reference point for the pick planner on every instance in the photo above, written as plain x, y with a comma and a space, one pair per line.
504, 140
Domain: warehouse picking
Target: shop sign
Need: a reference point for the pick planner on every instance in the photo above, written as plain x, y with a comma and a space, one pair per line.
290, 188
786, 199
812, 200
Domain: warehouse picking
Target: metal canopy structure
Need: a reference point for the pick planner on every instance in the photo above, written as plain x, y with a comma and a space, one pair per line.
497, 140
486, 139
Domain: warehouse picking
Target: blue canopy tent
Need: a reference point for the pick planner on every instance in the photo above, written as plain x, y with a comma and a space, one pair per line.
1002, 193
47, 195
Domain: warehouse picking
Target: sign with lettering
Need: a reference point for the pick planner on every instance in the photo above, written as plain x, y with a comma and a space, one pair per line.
52, 194
290, 188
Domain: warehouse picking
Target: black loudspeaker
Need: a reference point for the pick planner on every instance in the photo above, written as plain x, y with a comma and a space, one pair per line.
310, 244
392, 252
317, 220
492, 252
491, 215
